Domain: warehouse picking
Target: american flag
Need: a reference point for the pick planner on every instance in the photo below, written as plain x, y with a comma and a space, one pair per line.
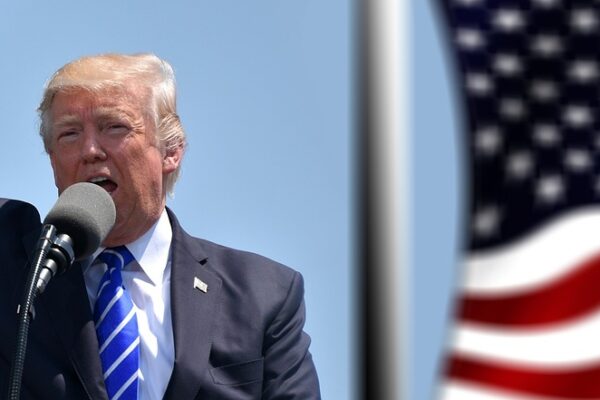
528, 314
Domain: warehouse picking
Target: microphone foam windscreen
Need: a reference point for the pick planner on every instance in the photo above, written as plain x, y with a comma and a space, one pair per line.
86, 213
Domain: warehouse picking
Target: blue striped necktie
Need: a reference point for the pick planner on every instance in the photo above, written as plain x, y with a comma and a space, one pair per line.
116, 328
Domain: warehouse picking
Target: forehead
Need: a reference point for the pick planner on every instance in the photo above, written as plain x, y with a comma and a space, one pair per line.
78, 103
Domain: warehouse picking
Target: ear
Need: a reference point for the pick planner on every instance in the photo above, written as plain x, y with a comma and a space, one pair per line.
172, 159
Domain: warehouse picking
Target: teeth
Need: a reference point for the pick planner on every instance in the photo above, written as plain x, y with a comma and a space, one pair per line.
98, 179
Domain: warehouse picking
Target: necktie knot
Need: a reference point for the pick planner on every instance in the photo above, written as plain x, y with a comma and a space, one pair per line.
116, 257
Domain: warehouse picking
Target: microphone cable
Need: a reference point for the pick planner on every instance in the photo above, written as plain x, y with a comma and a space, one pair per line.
24, 311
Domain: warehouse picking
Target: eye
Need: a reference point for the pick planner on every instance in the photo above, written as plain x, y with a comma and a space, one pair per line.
67, 135
117, 128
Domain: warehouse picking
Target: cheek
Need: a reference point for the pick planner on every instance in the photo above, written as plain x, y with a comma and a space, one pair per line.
150, 163
62, 170
140, 170
56, 167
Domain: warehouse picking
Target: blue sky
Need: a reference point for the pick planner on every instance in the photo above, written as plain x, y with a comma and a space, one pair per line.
436, 197
265, 97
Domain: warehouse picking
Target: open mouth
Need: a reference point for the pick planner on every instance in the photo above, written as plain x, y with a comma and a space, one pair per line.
104, 183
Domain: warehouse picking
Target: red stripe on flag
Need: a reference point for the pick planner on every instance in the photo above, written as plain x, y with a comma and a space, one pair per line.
572, 383
570, 297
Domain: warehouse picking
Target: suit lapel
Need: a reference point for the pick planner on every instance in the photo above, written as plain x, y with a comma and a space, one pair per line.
67, 304
193, 312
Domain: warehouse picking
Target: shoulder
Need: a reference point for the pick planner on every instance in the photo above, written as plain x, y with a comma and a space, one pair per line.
237, 267
19, 215
19, 231
18, 219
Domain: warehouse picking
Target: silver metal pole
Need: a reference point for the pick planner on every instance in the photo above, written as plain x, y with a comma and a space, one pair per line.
382, 149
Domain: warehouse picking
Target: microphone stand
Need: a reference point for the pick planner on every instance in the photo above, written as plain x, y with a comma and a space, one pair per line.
53, 253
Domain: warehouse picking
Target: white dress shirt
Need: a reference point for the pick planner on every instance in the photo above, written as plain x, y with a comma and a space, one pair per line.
148, 281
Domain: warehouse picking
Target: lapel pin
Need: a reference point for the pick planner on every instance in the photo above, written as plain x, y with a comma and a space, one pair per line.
198, 284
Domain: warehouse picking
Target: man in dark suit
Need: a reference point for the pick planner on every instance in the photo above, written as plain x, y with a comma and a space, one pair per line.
210, 322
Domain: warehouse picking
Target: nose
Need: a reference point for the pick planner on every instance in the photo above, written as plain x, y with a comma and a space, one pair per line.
91, 149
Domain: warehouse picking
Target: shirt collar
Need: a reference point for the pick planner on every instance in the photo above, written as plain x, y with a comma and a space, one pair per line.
151, 250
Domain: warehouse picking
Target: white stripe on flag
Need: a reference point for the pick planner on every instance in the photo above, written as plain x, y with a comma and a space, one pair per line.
569, 239
575, 342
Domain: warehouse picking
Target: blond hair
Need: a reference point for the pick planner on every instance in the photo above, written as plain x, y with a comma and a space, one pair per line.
95, 73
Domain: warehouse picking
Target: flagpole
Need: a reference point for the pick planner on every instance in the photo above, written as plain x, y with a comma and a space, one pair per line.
383, 216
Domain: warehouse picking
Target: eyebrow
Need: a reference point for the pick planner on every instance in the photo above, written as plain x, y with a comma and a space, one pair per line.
67, 119
110, 112
100, 112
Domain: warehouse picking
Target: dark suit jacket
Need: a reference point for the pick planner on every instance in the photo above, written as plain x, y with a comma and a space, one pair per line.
242, 339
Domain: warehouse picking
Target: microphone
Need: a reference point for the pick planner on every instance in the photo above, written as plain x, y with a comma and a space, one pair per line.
73, 229
81, 218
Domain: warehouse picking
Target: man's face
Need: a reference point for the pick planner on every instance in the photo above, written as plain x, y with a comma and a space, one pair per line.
106, 138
